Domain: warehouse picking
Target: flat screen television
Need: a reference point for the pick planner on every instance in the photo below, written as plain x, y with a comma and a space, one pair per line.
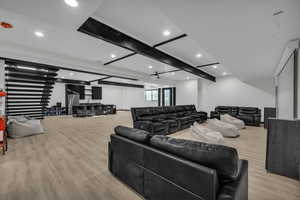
96, 92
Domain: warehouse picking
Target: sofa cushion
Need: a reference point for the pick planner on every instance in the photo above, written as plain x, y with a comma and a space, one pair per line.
158, 126
134, 134
221, 158
223, 109
171, 123
142, 112
158, 118
146, 118
248, 111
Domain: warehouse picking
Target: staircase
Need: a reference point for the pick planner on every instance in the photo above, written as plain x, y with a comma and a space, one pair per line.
29, 89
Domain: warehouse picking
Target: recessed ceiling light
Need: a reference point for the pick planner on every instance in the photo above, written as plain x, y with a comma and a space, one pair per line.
199, 55
173, 73
62, 77
39, 34
150, 67
71, 73
215, 66
188, 78
166, 33
72, 3
224, 74
113, 55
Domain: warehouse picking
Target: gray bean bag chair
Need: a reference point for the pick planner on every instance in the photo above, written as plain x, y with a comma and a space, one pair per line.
227, 130
240, 124
206, 135
21, 126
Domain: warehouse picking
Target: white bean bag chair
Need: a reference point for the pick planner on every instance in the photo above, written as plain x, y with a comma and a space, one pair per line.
206, 135
20, 126
240, 124
227, 130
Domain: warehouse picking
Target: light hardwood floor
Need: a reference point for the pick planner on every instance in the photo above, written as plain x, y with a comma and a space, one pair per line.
70, 163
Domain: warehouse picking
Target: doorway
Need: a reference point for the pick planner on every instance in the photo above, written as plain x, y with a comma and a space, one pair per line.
168, 96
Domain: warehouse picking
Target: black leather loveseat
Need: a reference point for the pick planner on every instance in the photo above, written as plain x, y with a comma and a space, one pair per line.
166, 120
250, 115
160, 168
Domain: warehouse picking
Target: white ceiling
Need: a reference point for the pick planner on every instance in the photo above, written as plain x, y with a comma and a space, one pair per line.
242, 35
66, 74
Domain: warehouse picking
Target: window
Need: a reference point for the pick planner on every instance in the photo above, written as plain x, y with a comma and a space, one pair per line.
151, 95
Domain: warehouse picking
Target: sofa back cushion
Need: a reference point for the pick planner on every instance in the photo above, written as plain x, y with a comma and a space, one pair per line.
138, 113
223, 109
221, 158
234, 111
248, 111
133, 134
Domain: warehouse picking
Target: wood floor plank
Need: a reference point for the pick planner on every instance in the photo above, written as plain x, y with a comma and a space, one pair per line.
69, 162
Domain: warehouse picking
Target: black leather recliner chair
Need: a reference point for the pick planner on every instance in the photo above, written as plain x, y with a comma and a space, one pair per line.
250, 115
166, 120
159, 167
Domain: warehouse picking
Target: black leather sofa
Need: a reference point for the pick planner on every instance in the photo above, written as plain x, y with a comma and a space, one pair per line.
166, 120
159, 167
250, 115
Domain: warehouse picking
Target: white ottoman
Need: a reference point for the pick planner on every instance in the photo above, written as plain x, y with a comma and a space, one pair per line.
240, 124
227, 130
203, 134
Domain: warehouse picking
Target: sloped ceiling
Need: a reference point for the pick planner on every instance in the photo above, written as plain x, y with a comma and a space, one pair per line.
244, 35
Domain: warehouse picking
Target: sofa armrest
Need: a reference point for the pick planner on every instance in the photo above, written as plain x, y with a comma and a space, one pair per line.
203, 115
143, 125
237, 190
257, 116
214, 114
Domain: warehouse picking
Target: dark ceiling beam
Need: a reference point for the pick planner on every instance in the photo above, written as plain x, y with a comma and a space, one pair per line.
170, 40
120, 84
207, 65
101, 74
177, 70
99, 79
156, 45
121, 58
72, 81
56, 68
101, 31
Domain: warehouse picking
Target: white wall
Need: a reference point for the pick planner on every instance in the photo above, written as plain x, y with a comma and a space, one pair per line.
227, 91
122, 97
58, 94
230, 91
187, 92
125, 97
285, 99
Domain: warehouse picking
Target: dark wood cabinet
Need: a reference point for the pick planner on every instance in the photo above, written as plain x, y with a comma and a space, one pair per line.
283, 148
269, 112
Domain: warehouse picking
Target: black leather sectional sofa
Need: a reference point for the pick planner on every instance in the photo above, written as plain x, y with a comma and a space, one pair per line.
250, 115
166, 120
160, 168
